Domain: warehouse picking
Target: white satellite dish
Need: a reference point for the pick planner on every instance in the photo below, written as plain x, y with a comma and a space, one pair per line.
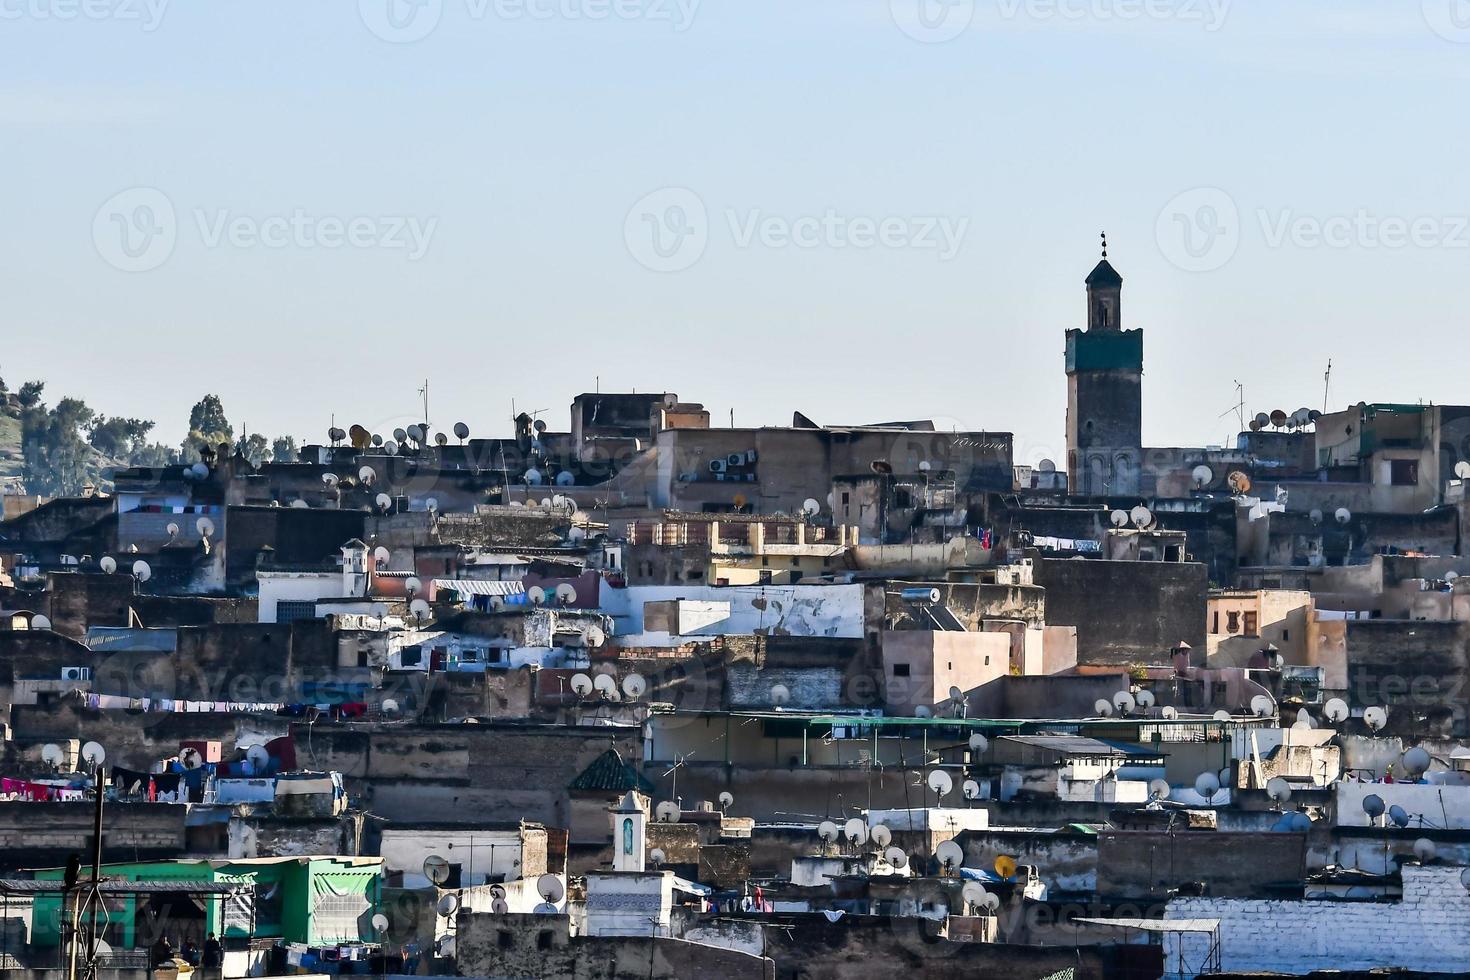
667, 812
141, 570
827, 830
413, 585
550, 888
1119, 518
390, 447
780, 694
581, 684
992, 902
52, 755
390, 708
606, 685
447, 905
1203, 476
1343, 515
173, 531
1335, 710
634, 686
94, 754
108, 565
330, 479
190, 758
1262, 706
566, 593
594, 636
367, 476
1141, 517
1158, 789
855, 831
536, 595
1416, 761
1124, 703
419, 608
657, 856
1145, 699
881, 835
951, 856
1169, 712
1375, 718
1278, 789
1207, 784
432, 505
300, 504
1424, 850
1303, 722
259, 757
896, 857
1222, 715
973, 893
978, 743
381, 555
970, 789
204, 526
383, 501
810, 507
727, 799
940, 782
436, 869
1103, 708
1462, 470
40, 622
380, 922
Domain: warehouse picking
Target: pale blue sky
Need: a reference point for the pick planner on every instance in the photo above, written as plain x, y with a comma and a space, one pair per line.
519, 147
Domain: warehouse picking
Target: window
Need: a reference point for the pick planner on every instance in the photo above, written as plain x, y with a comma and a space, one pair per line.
1216, 628
796, 563
1285, 636
506, 939
900, 670
543, 939
1250, 624
844, 498
902, 499
1232, 622
1403, 472
290, 610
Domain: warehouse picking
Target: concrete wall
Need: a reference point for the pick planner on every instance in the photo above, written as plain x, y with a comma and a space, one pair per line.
1424, 931
785, 610
1143, 865
1126, 612
42, 835
920, 666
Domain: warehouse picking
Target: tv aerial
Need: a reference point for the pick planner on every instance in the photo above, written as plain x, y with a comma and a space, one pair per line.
1103, 708
896, 857
727, 800
551, 889
634, 686
970, 789
855, 832
881, 835
1158, 789
1207, 784
1278, 789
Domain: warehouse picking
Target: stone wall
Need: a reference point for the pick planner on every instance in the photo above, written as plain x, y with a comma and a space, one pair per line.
1145, 865
1126, 611
38, 835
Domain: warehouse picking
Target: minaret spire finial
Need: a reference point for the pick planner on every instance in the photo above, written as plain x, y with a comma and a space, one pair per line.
1105, 244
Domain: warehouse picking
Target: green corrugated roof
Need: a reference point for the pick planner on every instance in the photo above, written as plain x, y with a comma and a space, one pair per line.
608, 773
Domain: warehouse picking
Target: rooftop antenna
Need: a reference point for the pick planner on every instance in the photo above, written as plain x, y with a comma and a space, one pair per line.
1326, 385
424, 391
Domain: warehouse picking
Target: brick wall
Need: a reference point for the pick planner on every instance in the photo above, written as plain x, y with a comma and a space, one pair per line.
1425, 931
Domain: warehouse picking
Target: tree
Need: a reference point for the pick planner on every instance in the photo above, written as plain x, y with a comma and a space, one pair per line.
119, 438
57, 462
30, 394
253, 447
208, 426
283, 449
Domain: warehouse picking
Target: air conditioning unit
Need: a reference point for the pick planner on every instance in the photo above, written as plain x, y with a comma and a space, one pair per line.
717, 466
76, 673
736, 459
750, 455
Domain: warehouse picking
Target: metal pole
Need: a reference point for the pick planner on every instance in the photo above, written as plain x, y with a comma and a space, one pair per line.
95, 899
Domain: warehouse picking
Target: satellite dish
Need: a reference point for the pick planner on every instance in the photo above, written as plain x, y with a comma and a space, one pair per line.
855, 831
381, 555
1304, 722
1417, 761
432, 505
606, 685
581, 685
536, 595
657, 855
1462, 470
1300, 822
52, 755
461, 431
1373, 805
550, 888
896, 857
330, 479
413, 585
436, 869
780, 694
940, 782
199, 470
1046, 466
447, 904
1399, 816
1262, 706
727, 799
1203, 476
1278, 789
1239, 482
667, 812
1169, 712
545, 908
1145, 699
956, 695
566, 593
881, 835
923, 711
441, 440
1207, 784
973, 893
1375, 718
1124, 703
1141, 517
39, 622
259, 757
1316, 515
1005, 866
390, 708
380, 922
827, 830
367, 476
594, 636
300, 504
566, 478
533, 477
173, 530
634, 686
992, 902
1119, 518
416, 433
377, 440
951, 856
400, 434
971, 789
1158, 789
1336, 710
1343, 515
419, 608
190, 758
979, 743
810, 507
108, 565
204, 526
390, 447
94, 754
1103, 708
383, 501
1424, 850
1222, 715
141, 571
